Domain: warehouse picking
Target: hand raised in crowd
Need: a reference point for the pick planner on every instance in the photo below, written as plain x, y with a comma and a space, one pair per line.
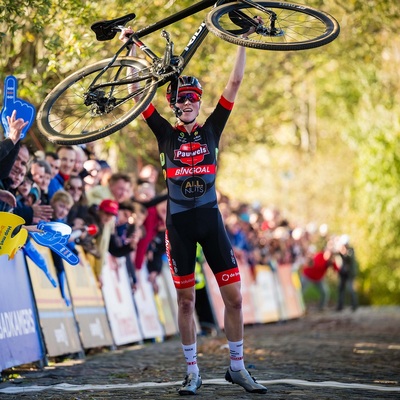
42, 212
15, 126
8, 198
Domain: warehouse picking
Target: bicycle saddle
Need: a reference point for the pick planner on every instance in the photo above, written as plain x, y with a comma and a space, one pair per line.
104, 30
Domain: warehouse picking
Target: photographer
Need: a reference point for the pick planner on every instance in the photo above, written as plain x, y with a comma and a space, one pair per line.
347, 273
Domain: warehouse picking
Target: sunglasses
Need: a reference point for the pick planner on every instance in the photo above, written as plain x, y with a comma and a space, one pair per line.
192, 97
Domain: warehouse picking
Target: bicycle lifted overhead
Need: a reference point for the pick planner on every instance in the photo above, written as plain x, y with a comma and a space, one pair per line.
98, 100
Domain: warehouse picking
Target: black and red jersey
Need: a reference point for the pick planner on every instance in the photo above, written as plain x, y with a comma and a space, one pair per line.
189, 161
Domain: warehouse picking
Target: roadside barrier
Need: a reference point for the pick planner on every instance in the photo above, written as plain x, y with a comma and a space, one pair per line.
39, 320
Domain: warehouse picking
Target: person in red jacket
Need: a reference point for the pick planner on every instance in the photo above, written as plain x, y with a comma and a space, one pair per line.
313, 273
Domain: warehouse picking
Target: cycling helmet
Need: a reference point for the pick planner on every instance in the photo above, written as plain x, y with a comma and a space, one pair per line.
187, 83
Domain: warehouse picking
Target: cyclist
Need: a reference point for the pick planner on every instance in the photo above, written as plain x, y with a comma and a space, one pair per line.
188, 154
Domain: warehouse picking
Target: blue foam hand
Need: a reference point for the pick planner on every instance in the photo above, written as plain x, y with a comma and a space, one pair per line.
24, 110
63, 284
38, 259
55, 235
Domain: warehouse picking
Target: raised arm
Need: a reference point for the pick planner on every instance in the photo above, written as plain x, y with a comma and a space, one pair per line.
236, 76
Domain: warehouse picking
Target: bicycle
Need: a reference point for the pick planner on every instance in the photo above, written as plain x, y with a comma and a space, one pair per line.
98, 100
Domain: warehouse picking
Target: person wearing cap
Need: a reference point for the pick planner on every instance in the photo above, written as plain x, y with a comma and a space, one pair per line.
104, 216
188, 154
109, 208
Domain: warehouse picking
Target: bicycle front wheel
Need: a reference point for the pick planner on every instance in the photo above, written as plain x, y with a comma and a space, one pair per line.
87, 105
286, 26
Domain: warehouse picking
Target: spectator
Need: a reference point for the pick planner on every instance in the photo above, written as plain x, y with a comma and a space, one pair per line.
31, 214
27, 193
348, 267
313, 273
104, 216
105, 172
9, 147
54, 162
91, 174
156, 250
61, 203
81, 158
67, 156
16, 173
119, 188
37, 171
128, 232
148, 173
145, 194
45, 182
78, 213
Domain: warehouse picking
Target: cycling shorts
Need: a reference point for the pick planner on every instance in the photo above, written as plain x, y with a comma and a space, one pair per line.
204, 226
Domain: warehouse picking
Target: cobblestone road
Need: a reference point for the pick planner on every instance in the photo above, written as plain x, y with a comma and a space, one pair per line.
324, 356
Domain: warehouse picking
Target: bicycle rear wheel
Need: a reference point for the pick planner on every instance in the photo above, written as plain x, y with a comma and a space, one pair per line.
76, 113
287, 26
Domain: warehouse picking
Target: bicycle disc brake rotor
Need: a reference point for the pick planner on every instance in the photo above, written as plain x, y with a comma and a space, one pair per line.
99, 104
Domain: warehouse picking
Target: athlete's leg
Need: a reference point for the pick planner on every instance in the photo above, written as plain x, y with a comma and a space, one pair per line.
186, 322
181, 253
233, 317
219, 254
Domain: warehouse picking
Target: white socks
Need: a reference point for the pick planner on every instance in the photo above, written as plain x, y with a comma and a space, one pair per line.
235, 350
190, 353
236, 353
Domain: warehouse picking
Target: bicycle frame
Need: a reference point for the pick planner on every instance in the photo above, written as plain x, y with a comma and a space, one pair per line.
193, 44
198, 36
170, 64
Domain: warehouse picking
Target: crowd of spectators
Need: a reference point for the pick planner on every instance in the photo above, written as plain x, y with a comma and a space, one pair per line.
125, 213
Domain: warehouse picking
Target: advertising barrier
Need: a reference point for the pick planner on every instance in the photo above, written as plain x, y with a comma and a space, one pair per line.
247, 288
146, 306
88, 303
119, 302
291, 288
57, 319
20, 337
166, 303
267, 295
72, 313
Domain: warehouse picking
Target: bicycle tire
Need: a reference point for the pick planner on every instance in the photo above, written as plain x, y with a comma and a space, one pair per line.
63, 118
299, 27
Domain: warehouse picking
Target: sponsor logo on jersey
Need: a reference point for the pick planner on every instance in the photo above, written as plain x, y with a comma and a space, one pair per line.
191, 153
190, 171
193, 187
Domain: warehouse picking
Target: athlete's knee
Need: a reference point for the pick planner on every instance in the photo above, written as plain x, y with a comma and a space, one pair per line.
234, 302
186, 302
232, 297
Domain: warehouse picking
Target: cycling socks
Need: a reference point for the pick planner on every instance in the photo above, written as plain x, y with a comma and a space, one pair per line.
190, 353
236, 354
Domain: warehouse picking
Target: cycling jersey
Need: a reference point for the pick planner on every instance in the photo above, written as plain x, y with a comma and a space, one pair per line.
189, 163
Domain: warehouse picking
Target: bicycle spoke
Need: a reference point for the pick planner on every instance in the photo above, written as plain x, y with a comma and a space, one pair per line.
70, 115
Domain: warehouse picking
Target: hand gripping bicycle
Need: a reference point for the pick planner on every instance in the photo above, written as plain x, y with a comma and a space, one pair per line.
102, 98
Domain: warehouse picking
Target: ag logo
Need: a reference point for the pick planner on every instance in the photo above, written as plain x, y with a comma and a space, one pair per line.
193, 187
